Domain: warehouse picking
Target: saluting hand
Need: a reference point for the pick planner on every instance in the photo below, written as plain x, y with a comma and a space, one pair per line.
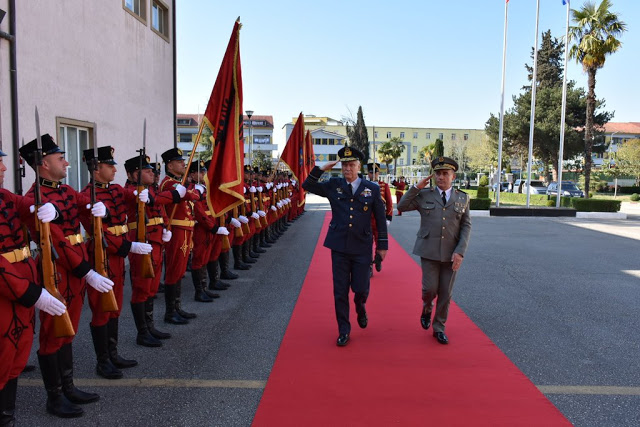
328, 165
456, 259
423, 182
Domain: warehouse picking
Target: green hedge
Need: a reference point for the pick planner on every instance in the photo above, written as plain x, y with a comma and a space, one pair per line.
480, 204
629, 190
483, 192
565, 202
520, 198
595, 205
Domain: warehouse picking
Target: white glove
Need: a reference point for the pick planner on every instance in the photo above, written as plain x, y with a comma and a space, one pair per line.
200, 188
388, 223
181, 190
255, 216
259, 189
262, 213
140, 248
287, 200
99, 210
279, 186
223, 231
279, 205
268, 185
273, 208
252, 189
50, 304
235, 223
243, 219
98, 282
166, 235
143, 196
46, 212
293, 182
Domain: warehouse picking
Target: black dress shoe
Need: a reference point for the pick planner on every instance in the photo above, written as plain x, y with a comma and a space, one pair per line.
425, 320
343, 339
363, 320
441, 337
377, 260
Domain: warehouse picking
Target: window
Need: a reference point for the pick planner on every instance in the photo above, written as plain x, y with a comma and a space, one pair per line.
415, 148
74, 137
333, 157
316, 141
388, 134
415, 135
332, 141
262, 139
401, 162
160, 19
453, 136
401, 135
137, 8
441, 136
184, 122
428, 135
465, 137
375, 134
324, 141
185, 137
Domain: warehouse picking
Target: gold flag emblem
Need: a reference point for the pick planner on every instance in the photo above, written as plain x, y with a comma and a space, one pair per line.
347, 151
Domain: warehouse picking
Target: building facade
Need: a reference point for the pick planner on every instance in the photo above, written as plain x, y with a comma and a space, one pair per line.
615, 134
95, 71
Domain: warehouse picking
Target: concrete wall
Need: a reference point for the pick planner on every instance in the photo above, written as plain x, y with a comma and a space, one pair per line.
91, 61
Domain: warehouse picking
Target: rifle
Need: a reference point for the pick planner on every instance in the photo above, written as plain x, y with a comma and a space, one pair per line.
62, 326
108, 301
253, 207
141, 220
263, 219
239, 232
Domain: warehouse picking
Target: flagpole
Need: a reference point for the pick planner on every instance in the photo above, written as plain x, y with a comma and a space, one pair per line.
533, 105
564, 108
500, 132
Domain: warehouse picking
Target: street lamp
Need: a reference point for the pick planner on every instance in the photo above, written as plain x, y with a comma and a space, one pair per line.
249, 113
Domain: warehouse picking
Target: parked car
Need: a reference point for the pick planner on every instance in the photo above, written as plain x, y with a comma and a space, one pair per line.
569, 189
537, 187
504, 186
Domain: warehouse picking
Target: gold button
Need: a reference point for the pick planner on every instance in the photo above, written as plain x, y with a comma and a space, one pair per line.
443, 237
352, 200
350, 225
444, 219
350, 216
351, 208
443, 228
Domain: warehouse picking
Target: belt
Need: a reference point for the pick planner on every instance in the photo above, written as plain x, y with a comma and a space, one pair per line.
183, 223
118, 230
153, 221
75, 239
17, 255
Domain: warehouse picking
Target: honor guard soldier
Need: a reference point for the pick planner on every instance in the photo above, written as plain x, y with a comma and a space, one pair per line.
373, 170
445, 227
140, 174
104, 325
353, 201
248, 255
179, 247
400, 185
20, 291
55, 355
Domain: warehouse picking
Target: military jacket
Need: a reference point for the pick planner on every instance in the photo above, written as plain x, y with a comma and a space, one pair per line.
183, 216
157, 218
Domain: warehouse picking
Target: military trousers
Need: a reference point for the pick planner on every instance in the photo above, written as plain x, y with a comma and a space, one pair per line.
350, 271
437, 282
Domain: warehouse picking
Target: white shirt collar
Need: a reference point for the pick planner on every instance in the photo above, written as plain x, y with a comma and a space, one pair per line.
448, 192
355, 184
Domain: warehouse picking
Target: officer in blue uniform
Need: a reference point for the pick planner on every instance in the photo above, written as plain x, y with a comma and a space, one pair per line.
353, 200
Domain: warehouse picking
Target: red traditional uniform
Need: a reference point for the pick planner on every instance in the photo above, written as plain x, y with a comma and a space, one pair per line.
400, 187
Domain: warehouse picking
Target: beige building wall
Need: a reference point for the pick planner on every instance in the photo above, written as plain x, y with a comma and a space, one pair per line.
91, 65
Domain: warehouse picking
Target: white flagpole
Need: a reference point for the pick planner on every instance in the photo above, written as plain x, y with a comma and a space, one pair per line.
533, 104
500, 132
564, 107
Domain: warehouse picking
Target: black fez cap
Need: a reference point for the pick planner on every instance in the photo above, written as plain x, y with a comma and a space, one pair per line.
157, 166
440, 163
133, 164
28, 151
350, 154
193, 168
173, 154
105, 155
370, 167
248, 169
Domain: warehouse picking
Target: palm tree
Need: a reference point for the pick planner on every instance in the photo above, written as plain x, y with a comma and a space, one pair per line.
594, 38
396, 148
426, 153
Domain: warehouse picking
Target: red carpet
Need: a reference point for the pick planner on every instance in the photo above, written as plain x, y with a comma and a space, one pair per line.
393, 372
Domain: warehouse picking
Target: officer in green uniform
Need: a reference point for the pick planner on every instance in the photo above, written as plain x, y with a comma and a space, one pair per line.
445, 227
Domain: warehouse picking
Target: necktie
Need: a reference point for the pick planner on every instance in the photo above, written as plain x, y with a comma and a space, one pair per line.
444, 198
349, 189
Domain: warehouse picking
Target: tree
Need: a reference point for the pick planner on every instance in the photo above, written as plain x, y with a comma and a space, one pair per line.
439, 148
261, 160
482, 154
426, 153
358, 135
206, 142
594, 36
384, 154
390, 151
628, 159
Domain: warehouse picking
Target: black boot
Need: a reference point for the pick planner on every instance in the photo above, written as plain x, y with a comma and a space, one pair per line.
214, 277
237, 258
57, 403
179, 309
117, 360
161, 288
148, 317
144, 337
268, 235
71, 392
263, 239
170, 314
200, 296
255, 243
8, 403
104, 367
204, 282
225, 272
246, 253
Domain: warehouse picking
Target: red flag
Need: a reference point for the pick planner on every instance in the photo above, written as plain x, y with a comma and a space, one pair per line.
224, 180
293, 153
309, 154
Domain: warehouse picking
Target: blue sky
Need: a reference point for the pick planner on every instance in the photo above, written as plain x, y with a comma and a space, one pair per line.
407, 63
